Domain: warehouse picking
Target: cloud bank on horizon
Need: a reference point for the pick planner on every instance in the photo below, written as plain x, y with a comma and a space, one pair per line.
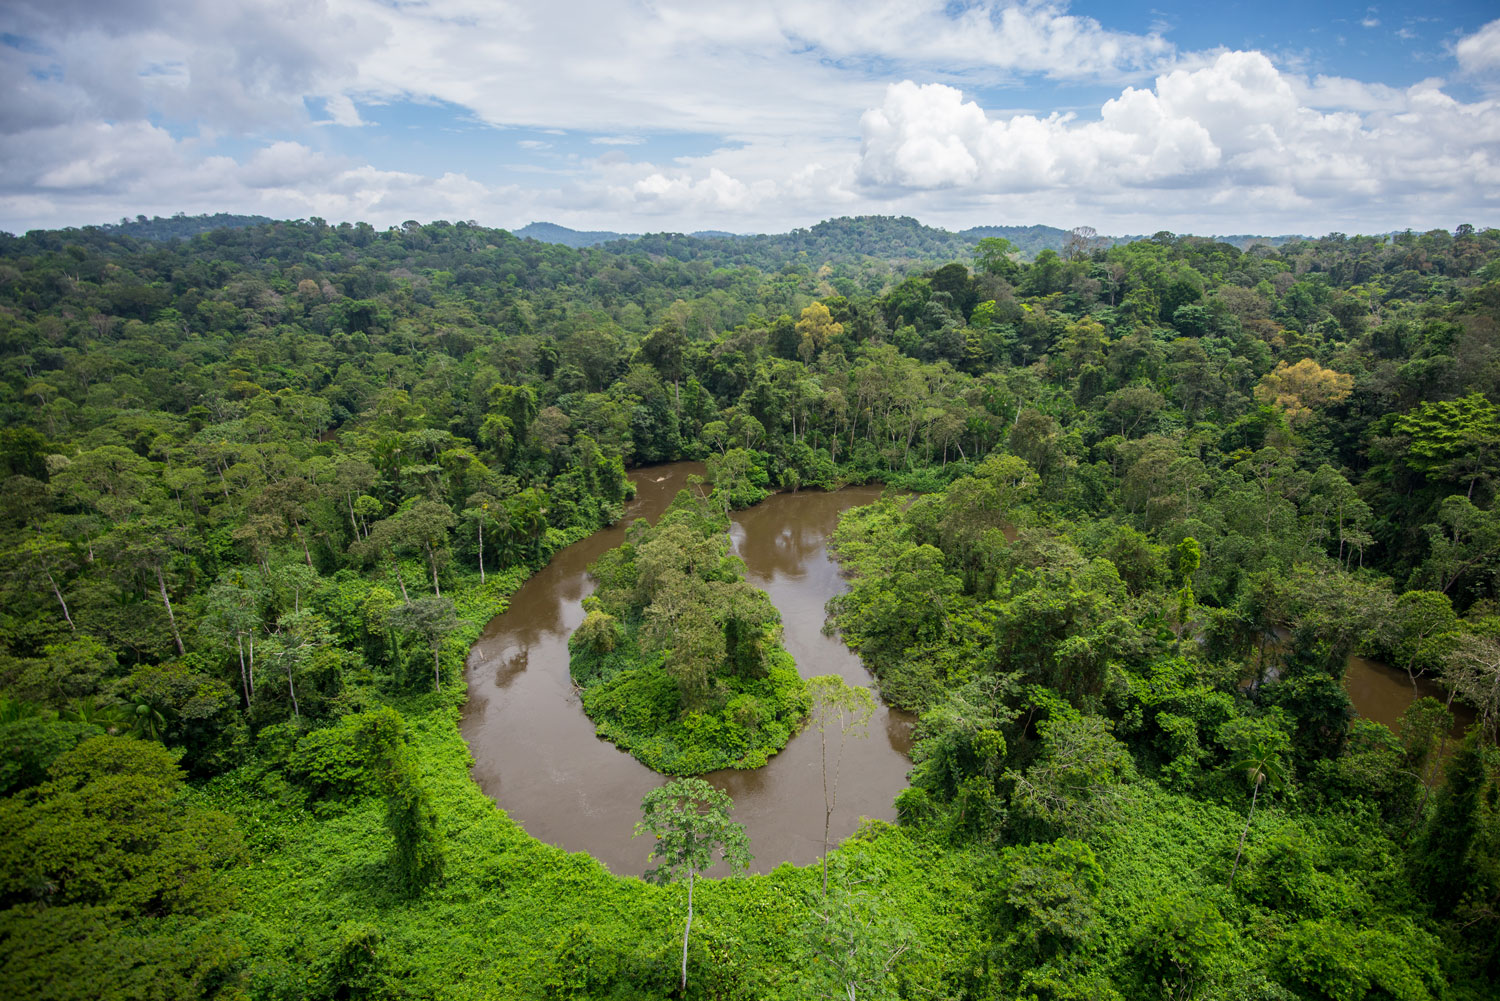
752, 117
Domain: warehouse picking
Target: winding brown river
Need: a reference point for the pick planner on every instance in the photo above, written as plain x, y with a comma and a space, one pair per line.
536, 754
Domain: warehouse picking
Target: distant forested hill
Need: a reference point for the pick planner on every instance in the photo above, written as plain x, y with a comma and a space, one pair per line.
548, 232
1029, 240
901, 241
847, 240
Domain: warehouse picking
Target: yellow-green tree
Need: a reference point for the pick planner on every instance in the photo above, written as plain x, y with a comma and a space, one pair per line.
815, 329
690, 820
1298, 390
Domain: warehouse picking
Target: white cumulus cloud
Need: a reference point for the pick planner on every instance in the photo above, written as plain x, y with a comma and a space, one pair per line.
1479, 54
111, 171
341, 111
1233, 133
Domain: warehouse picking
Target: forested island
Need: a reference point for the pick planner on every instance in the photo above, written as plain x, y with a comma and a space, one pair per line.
266, 484
679, 658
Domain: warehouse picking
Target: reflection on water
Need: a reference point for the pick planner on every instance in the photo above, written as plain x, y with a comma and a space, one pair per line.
1382, 693
507, 669
535, 753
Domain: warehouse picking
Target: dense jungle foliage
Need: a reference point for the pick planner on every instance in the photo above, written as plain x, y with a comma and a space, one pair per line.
266, 484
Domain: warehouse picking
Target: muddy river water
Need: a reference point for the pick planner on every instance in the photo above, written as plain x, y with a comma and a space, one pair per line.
535, 752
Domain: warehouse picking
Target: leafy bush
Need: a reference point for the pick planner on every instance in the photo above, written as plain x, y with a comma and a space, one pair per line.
342, 759
29, 746
635, 703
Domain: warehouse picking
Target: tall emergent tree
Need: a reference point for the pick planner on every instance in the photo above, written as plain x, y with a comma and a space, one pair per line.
382, 740
690, 820
1454, 440
836, 705
1444, 867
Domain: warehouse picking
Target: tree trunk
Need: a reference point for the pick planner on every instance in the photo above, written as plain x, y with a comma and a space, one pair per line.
161, 582
302, 539
399, 582
64, 604
432, 563
437, 671
239, 641
481, 550
827, 806
1241, 849
296, 711
686, 931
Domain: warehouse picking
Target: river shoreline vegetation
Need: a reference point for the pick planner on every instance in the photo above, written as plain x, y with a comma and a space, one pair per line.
265, 486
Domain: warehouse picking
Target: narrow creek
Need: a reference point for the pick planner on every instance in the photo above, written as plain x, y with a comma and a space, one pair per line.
535, 752
536, 755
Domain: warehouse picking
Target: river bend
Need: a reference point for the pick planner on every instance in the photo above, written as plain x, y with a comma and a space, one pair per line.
535, 752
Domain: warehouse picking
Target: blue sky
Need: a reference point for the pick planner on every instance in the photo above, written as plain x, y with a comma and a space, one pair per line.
754, 117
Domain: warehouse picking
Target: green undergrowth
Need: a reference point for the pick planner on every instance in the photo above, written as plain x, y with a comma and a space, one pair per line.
635, 703
319, 916
1318, 903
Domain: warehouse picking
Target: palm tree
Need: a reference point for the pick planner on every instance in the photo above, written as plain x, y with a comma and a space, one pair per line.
88, 709
1260, 747
146, 720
